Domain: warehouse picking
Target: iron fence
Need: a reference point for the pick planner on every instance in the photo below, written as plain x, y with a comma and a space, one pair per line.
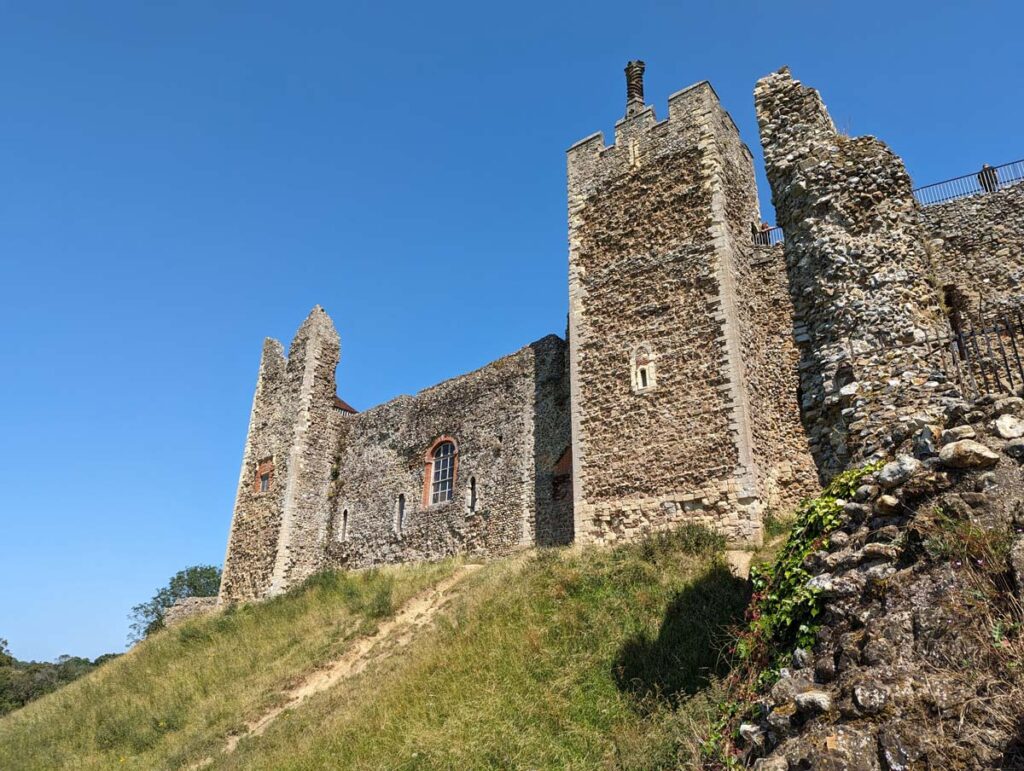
980, 355
986, 180
768, 237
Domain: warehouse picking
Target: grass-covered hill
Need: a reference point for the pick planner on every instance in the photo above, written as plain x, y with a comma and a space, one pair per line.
551, 659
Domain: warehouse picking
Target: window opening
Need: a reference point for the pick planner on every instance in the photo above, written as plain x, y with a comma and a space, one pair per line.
443, 477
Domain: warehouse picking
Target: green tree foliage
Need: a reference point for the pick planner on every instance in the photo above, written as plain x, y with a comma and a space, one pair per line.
23, 681
195, 581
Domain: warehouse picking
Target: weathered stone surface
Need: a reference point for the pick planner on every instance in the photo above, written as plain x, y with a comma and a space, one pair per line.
859, 274
1009, 427
189, 607
956, 433
813, 702
978, 246
967, 453
898, 471
663, 276
336, 480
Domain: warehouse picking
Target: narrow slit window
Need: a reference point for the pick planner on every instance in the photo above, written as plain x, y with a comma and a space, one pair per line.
472, 494
264, 482
400, 515
344, 525
443, 473
643, 377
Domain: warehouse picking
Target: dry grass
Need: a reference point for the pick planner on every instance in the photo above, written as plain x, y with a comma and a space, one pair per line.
569, 659
173, 698
552, 659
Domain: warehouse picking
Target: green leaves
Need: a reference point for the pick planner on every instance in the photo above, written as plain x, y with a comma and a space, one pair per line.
195, 581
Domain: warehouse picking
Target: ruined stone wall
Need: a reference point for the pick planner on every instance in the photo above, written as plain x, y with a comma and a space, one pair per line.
256, 523
977, 244
763, 310
510, 423
312, 360
277, 534
858, 272
786, 471
649, 249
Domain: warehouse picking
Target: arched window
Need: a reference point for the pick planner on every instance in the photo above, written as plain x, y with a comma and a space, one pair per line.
642, 366
439, 472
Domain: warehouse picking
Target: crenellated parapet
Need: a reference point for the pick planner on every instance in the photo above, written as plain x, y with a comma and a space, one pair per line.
662, 357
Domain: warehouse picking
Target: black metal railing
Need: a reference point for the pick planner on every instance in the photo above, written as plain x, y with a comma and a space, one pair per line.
980, 355
768, 237
986, 180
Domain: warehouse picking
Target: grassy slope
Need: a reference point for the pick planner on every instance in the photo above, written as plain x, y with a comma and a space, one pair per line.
571, 660
172, 699
551, 660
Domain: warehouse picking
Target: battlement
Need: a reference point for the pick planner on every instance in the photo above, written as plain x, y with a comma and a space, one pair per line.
639, 135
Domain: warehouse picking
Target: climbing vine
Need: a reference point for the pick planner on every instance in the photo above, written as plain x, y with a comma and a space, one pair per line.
784, 611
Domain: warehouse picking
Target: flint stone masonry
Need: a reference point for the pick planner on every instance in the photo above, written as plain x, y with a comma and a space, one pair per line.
703, 378
332, 498
660, 259
977, 245
858, 272
189, 607
277, 535
510, 423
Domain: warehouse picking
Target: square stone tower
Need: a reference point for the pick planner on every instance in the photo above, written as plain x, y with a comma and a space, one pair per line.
683, 375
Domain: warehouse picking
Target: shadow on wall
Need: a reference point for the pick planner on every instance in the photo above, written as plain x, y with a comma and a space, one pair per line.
552, 444
690, 646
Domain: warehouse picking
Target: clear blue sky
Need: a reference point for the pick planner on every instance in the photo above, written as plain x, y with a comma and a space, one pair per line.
179, 180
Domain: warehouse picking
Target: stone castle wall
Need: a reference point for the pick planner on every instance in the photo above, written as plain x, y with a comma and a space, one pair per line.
277, 533
510, 423
977, 245
786, 471
659, 227
859, 274
703, 378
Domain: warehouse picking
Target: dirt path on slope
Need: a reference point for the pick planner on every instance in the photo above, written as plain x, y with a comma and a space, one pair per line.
392, 633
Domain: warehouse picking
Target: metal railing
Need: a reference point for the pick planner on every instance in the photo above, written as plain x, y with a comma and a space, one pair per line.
979, 354
769, 237
986, 180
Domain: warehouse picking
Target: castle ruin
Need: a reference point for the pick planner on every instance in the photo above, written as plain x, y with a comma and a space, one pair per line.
709, 375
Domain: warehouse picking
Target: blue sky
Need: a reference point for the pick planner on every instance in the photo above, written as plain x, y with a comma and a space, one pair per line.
179, 180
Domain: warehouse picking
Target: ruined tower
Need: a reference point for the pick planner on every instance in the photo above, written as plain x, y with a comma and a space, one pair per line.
279, 524
859, 273
672, 416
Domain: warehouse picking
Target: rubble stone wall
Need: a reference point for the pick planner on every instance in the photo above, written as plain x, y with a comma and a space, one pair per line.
859, 274
977, 245
256, 523
649, 275
510, 424
786, 471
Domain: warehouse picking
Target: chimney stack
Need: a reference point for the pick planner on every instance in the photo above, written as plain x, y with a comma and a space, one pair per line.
634, 87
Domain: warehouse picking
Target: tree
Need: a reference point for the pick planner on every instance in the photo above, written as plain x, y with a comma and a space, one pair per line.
6, 659
195, 581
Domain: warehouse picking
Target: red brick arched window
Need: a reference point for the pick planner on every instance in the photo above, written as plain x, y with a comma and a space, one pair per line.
441, 466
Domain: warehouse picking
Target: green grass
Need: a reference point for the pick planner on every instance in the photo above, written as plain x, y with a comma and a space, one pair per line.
571, 659
172, 699
559, 658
